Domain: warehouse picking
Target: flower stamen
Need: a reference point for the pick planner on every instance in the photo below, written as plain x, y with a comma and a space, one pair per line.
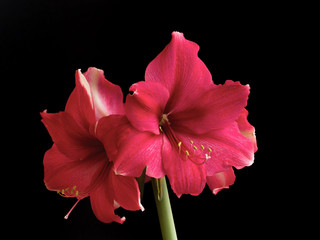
66, 193
192, 151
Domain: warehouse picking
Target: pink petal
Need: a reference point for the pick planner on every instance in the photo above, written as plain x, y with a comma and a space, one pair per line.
74, 177
103, 204
221, 180
180, 70
80, 104
93, 97
145, 106
246, 128
214, 109
185, 176
71, 139
229, 148
129, 149
107, 97
126, 191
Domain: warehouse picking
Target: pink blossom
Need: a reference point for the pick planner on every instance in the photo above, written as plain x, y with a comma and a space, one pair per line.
179, 123
77, 165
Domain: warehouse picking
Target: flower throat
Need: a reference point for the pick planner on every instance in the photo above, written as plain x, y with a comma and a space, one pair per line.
196, 153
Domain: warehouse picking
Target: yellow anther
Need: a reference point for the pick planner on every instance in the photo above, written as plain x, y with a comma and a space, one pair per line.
210, 150
72, 190
77, 193
187, 153
191, 142
202, 147
195, 148
62, 191
179, 144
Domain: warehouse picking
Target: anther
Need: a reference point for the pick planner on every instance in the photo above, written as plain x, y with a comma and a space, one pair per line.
202, 147
73, 189
187, 153
191, 142
195, 148
210, 150
179, 144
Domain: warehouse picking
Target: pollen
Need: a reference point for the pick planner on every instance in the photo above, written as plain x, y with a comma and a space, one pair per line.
210, 150
179, 144
191, 142
202, 147
195, 148
187, 153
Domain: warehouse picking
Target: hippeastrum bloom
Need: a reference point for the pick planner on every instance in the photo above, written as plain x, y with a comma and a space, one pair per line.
77, 165
180, 124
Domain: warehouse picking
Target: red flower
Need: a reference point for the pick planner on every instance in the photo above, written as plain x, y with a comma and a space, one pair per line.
77, 165
178, 123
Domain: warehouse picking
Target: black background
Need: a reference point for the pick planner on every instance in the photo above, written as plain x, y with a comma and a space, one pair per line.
44, 42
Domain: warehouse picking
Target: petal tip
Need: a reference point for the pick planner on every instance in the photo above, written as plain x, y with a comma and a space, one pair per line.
141, 207
217, 190
122, 220
177, 34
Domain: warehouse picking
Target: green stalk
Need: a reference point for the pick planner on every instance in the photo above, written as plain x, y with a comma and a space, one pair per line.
162, 200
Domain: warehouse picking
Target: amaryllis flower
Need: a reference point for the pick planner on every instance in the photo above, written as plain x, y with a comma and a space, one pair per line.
180, 124
77, 165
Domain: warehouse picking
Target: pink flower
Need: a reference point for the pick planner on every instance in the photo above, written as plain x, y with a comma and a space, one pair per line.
178, 123
77, 165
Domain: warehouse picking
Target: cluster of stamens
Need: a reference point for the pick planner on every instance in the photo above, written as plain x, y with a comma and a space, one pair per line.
69, 192
194, 152
197, 153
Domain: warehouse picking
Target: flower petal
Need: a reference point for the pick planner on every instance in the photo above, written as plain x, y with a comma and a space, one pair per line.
103, 204
221, 180
129, 149
214, 109
80, 104
185, 176
229, 148
126, 191
71, 139
93, 97
246, 128
145, 106
107, 97
180, 70
74, 177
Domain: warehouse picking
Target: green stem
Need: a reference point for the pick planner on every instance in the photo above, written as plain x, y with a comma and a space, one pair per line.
161, 197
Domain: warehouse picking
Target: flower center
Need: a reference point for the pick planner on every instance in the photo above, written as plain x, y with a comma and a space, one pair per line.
197, 153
